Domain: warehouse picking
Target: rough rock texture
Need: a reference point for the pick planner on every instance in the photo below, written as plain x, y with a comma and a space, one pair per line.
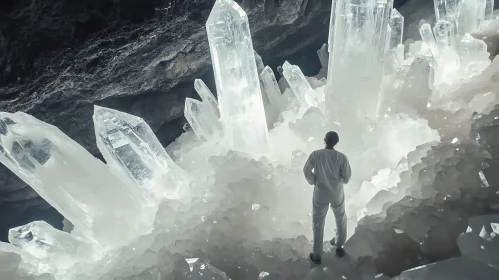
142, 59
423, 227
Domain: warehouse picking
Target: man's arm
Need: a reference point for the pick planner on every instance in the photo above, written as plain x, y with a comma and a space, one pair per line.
345, 171
307, 169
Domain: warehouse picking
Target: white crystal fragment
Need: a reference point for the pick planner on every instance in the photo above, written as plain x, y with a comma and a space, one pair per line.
398, 231
495, 228
484, 234
239, 97
255, 206
485, 183
263, 274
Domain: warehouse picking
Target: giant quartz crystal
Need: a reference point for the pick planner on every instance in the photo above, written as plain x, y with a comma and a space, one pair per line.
132, 151
74, 182
238, 87
357, 47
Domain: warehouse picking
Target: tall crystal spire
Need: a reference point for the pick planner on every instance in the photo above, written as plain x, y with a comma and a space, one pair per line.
238, 86
397, 29
446, 9
357, 46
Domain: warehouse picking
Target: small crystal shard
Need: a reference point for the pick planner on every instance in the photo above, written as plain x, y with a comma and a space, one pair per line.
239, 96
485, 183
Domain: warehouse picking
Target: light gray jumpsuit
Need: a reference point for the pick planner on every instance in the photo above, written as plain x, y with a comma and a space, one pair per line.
331, 170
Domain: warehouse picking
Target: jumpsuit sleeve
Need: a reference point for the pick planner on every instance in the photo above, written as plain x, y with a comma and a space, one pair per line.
307, 169
345, 171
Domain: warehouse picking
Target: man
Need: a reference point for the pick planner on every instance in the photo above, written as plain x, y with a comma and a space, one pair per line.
331, 170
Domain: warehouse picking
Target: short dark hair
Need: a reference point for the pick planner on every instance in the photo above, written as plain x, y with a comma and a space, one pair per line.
332, 138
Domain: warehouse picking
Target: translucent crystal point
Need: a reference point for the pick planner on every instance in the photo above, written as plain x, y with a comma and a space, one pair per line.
207, 96
429, 39
44, 241
470, 16
323, 56
381, 19
203, 121
239, 96
299, 84
473, 54
73, 181
489, 9
397, 28
132, 151
259, 63
271, 87
446, 9
447, 58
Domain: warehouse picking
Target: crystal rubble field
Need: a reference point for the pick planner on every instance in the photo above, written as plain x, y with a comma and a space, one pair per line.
247, 216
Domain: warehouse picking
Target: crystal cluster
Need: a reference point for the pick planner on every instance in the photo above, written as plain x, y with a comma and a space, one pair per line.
204, 117
228, 200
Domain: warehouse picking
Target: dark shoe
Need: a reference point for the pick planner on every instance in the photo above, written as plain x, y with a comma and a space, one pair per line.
333, 242
340, 252
315, 260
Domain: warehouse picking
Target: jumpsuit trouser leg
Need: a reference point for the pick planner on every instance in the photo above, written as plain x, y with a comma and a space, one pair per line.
319, 218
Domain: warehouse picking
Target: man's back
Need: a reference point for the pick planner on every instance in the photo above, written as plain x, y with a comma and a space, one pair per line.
331, 171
